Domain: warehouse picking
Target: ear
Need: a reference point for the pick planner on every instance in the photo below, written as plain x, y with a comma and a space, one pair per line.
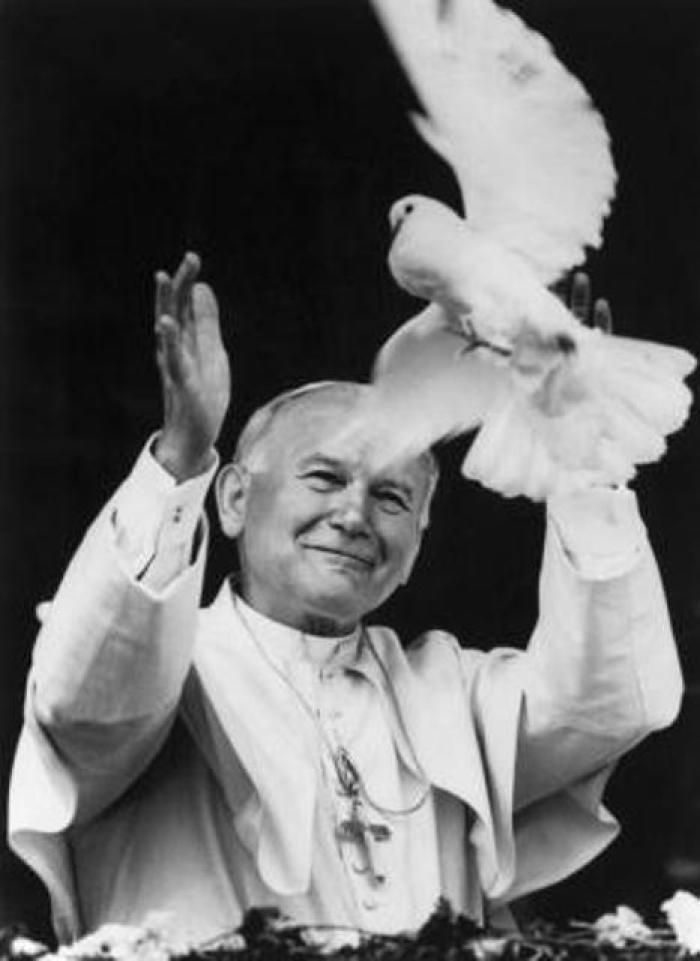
232, 486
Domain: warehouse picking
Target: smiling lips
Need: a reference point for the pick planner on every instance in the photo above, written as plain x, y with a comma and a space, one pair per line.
342, 553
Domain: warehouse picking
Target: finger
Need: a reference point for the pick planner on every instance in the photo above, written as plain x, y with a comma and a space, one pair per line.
580, 298
206, 310
188, 269
163, 294
602, 315
168, 354
183, 281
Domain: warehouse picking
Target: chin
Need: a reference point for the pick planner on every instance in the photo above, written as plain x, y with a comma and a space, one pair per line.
340, 594
340, 610
342, 607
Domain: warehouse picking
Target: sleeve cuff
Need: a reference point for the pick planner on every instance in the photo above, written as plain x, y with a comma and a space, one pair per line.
151, 511
601, 531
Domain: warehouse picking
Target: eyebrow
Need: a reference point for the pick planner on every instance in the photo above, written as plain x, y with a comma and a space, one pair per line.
324, 459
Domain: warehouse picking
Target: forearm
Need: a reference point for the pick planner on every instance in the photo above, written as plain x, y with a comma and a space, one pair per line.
601, 670
603, 647
117, 639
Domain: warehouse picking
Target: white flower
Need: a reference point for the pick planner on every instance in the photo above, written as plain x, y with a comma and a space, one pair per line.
26, 947
683, 913
122, 942
623, 926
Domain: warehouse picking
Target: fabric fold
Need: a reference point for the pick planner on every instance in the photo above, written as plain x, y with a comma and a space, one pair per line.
428, 702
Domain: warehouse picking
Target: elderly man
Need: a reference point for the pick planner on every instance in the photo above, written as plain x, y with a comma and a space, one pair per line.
273, 748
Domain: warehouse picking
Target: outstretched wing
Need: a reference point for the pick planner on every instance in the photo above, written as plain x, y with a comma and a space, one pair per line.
530, 152
425, 388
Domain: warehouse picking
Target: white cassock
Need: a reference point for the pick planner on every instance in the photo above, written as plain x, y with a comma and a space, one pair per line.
180, 760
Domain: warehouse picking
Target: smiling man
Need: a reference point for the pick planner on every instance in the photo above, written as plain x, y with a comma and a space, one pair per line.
275, 749
322, 537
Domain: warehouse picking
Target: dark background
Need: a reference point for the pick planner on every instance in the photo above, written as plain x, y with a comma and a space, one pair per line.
271, 136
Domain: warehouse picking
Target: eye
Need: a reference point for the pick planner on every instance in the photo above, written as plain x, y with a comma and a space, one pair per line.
321, 479
391, 501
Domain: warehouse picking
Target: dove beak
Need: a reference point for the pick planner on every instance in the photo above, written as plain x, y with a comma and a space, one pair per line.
398, 214
395, 219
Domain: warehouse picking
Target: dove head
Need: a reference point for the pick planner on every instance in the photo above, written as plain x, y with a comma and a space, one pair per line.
419, 209
324, 533
429, 240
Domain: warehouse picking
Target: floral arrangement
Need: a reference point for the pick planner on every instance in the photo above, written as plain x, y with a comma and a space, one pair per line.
265, 935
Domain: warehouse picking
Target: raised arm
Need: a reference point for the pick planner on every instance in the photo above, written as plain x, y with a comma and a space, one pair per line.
602, 669
115, 647
602, 663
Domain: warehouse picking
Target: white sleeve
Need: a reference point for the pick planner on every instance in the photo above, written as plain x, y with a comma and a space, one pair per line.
600, 531
601, 669
155, 520
114, 651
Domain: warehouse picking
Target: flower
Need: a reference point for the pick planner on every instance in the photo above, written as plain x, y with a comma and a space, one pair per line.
623, 926
683, 913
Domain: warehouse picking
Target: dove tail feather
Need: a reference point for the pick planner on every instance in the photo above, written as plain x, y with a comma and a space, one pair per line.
641, 391
634, 397
604, 408
515, 453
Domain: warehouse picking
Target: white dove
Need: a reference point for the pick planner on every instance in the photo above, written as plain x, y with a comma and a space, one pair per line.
558, 405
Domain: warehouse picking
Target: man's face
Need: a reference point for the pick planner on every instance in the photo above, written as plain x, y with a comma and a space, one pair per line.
326, 537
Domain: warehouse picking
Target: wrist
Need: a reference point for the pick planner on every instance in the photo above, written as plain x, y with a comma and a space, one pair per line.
181, 458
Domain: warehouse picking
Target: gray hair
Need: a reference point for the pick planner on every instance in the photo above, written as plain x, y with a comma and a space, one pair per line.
260, 422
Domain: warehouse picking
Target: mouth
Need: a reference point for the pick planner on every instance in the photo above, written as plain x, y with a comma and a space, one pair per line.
343, 556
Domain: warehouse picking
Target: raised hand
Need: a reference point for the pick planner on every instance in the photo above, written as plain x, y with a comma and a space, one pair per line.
194, 370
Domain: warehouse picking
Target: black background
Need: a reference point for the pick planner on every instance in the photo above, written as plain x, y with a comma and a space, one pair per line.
271, 136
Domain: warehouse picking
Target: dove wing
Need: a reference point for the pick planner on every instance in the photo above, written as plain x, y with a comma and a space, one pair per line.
530, 152
427, 388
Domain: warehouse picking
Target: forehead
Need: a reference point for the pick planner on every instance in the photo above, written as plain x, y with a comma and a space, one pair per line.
316, 427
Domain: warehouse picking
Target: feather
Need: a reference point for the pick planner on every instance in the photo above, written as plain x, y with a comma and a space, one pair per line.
531, 154
616, 399
557, 406
425, 389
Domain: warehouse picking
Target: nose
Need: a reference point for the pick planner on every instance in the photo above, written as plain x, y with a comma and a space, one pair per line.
351, 512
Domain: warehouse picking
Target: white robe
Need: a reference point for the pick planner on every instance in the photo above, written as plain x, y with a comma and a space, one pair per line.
163, 765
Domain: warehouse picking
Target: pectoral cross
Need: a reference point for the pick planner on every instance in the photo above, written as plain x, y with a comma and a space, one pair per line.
358, 829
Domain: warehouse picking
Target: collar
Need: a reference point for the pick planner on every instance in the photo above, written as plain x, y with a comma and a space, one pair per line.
287, 646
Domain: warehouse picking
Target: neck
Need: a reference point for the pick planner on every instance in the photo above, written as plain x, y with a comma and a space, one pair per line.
324, 626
